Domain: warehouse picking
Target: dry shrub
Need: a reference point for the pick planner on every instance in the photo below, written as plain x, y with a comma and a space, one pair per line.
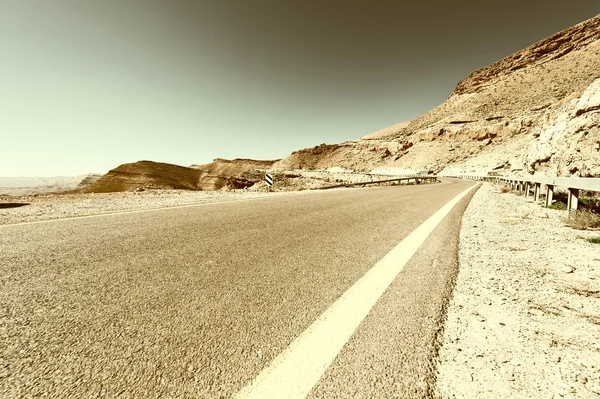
583, 219
558, 205
505, 189
593, 240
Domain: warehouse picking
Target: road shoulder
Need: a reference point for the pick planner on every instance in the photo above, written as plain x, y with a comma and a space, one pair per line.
524, 320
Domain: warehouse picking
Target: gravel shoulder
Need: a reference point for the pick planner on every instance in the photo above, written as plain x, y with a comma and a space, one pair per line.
524, 320
50, 207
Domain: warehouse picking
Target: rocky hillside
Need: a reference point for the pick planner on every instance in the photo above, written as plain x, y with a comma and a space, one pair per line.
237, 173
536, 111
217, 175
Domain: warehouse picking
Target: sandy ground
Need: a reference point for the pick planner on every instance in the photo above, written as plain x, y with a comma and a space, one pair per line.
524, 321
48, 207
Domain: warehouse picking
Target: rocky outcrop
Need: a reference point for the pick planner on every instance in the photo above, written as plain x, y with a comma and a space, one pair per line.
568, 143
589, 100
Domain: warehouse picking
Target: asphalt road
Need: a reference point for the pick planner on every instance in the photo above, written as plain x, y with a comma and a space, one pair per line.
194, 302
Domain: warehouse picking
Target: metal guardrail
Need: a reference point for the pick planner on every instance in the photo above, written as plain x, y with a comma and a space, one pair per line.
524, 183
416, 178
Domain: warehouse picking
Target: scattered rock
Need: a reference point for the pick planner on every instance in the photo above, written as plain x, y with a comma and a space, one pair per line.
567, 269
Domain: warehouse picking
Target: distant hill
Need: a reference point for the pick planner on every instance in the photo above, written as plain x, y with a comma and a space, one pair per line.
145, 175
217, 175
17, 186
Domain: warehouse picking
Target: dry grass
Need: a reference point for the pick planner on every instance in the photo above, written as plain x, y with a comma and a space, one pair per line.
505, 189
583, 219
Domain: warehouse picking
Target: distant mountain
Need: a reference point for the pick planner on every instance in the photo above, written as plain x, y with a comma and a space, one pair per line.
217, 175
16, 186
536, 111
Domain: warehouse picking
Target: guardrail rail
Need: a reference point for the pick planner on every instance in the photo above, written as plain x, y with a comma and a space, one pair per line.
525, 183
417, 178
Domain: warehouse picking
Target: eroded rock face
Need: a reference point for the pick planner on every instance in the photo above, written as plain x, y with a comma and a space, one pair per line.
589, 100
567, 142
537, 111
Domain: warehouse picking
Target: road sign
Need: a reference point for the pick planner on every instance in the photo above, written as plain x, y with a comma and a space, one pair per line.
269, 179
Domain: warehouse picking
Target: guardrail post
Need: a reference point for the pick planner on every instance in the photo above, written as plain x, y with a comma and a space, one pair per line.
573, 199
549, 194
527, 190
536, 192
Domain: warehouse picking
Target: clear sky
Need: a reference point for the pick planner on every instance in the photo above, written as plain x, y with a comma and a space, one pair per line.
86, 85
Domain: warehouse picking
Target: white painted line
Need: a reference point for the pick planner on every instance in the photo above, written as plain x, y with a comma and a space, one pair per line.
296, 370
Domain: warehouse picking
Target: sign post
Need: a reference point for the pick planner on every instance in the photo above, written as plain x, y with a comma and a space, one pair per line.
269, 181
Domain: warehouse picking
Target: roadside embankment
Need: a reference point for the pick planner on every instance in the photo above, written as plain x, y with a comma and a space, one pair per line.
524, 321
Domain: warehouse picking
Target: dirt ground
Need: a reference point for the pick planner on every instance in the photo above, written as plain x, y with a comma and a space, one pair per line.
524, 321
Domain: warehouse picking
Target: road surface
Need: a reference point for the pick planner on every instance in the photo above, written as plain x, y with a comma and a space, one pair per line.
195, 302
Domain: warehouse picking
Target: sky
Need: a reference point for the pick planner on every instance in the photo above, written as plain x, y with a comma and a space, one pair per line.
87, 85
